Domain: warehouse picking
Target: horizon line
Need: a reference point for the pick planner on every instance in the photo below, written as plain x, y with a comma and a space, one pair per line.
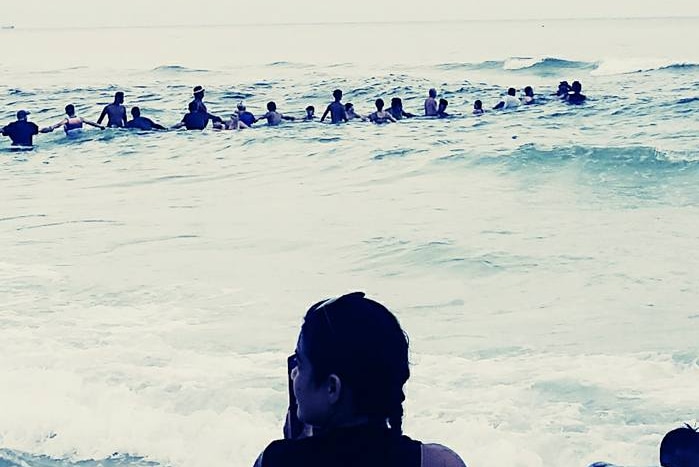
11, 27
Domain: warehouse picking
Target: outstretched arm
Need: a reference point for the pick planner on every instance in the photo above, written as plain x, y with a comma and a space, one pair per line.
96, 125
49, 129
499, 105
289, 117
215, 118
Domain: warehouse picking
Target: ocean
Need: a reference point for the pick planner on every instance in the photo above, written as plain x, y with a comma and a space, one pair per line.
543, 261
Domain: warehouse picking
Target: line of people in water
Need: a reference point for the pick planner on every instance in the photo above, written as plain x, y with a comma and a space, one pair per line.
346, 393
21, 132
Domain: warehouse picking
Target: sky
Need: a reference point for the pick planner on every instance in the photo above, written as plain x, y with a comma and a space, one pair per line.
88, 13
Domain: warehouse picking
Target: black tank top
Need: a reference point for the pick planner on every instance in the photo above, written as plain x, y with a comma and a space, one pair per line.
365, 446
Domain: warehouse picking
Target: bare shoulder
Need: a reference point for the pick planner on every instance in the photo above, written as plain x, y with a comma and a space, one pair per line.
436, 455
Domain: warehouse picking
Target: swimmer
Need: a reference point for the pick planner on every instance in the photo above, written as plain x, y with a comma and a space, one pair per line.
115, 112
198, 93
396, 109
563, 90
233, 124
310, 114
194, 119
246, 117
351, 114
680, 448
273, 117
441, 110
142, 123
478, 108
381, 116
510, 101
431, 103
528, 96
336, 109
575, 96
21, 132
73, 124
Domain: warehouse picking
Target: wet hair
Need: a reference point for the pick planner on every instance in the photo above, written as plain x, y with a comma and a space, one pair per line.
563, 88
192, 107
443, 103
512, 91
70, 109
119, 97
528, 91
576, 86
310, 108
379, 103
361, 342
337, 94
348, 106
478, 104
136, 112
685, 439
433, 93
271, 106
396, 102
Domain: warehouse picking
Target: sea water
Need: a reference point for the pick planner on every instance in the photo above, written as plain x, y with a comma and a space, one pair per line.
543, 261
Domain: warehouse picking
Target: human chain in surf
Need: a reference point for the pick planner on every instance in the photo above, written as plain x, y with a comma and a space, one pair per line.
22, 131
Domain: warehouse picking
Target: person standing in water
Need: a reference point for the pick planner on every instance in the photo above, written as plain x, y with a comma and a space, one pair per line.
310, 114
528, 96
336, 109
115, 112
381, 116
273, 117
510, 101
21, 132
575, 97
199, 106
72, 124
431, 103
194, 119
396, 109
442, 109
142, 123
246, 117
351, 113
478, 108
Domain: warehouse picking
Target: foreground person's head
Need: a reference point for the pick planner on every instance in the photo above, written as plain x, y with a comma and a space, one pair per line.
680, 448
352, 364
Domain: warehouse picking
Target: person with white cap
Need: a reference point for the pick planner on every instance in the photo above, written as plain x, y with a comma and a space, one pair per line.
199, 106
21, 132
246, 117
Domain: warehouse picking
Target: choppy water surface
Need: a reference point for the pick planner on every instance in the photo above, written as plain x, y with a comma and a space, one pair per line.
543, 261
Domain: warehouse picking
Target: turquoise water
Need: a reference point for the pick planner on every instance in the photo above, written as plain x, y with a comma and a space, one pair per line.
542, 261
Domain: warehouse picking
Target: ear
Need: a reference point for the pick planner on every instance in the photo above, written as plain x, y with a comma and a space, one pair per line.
334, 388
